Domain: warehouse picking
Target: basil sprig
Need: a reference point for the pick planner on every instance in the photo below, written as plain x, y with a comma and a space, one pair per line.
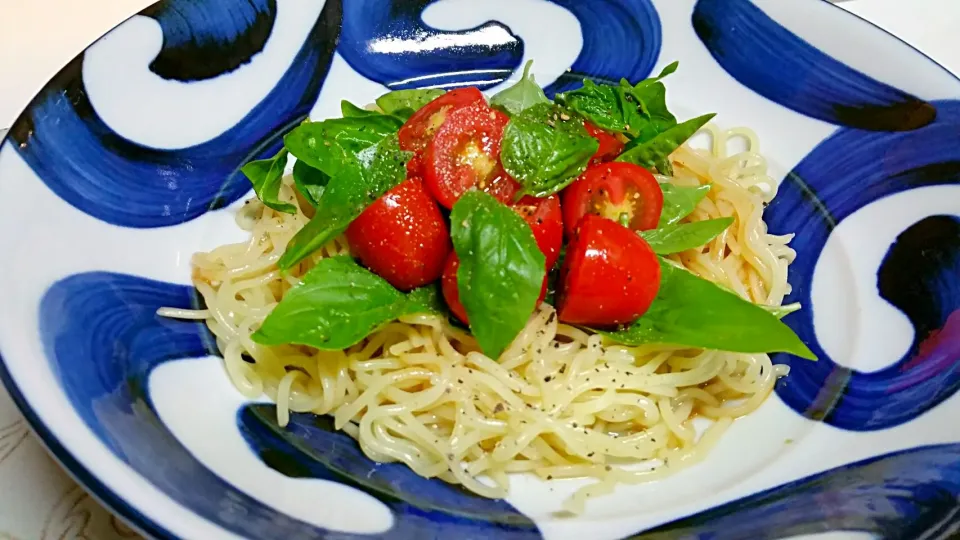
501, 269
337, 304
690, 311
360, 180
678, 237
521, 96
545, 149
651, 152
266, 176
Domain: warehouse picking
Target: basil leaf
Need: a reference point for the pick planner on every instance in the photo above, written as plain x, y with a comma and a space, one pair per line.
678, 237
782, 311
545, 149
427, 299
329, 144
360, 181
648, 153
501, 269
521, 96
679, 202
310, 182
266, 176
605, 106
337, 304
690, 311
349, 110
402, 102
651, 98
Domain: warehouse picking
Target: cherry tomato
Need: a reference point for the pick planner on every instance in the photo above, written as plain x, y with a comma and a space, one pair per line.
610, 275
623, 192
402, 236
419, 128
610, 146
546, 221
465, 154
448, 286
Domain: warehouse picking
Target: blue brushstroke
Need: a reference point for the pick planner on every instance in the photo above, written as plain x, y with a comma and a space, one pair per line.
899, 496
770, 60
920, 275
103, 338
203, 39
621, 39
113, 179
309, 447
388, 42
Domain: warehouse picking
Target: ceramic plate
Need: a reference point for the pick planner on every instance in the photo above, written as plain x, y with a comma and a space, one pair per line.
127, 162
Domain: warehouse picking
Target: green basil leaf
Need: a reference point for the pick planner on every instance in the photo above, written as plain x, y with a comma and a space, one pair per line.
427, 299
679, 237
360, 181
329, 144
349, 110
648, 153
545, 149
501, 269
266, 176
679, 202
690, 311
403, 101
310, 182
782, 311
521, 96
651, 98
605, 106
337, 304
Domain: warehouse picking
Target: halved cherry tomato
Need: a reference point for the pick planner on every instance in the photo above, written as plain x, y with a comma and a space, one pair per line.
610, 146
465, 154
419, 128
402, 236
623, 192
448, 286
546, 221
610, 275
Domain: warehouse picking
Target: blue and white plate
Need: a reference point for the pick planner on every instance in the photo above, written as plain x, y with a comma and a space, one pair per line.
127, 162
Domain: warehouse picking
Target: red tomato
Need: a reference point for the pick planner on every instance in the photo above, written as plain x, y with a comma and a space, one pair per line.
419, 128
616, 191
610, 146
465, 154
402, 236
546, 221
448, 285
610, 275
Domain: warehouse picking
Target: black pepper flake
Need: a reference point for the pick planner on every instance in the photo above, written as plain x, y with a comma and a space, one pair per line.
591, 454
574, 424
608, 468
563, 369
548, 378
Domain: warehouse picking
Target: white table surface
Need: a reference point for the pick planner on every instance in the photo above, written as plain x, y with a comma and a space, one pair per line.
37, 501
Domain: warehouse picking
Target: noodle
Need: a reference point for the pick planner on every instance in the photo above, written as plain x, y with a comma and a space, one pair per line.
559, 403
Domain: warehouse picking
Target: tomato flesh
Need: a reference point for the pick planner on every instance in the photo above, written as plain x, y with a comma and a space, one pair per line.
416, 133
464, 154
546, 221
610, 145
622, 192
451, 294
402, 236
610, 275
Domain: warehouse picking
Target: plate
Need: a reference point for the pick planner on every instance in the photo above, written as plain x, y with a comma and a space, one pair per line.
127, 162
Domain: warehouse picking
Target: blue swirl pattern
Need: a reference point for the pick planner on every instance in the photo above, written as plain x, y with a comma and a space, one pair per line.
621, 39
309, 447
197, 42
777, 64
109, 321
387, 41
899, 496
846, 172
115, 180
